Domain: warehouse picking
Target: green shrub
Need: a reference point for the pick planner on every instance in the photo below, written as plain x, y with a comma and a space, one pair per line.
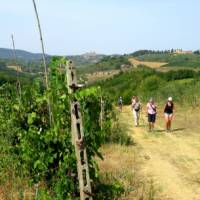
44, 150
118, 135
145, 83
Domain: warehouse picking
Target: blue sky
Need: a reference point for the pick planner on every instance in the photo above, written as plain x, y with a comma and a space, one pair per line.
104, 26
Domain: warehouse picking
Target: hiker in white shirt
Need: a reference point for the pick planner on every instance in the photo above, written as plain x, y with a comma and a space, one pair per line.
136, 105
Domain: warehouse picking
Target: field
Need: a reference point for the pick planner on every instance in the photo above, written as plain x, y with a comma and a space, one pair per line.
16, 68
173, 60
160, 165
97, 76
151, 64
110, 66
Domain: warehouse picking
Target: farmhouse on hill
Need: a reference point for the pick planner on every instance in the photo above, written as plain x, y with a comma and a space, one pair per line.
180, 51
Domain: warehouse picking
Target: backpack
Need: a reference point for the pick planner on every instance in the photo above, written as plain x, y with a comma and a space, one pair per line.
137, 106
153, 107
120, 101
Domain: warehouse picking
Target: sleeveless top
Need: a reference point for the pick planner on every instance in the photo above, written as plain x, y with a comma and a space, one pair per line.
169, 108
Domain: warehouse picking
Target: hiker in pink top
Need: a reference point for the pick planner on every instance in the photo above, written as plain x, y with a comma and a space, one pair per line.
151, 112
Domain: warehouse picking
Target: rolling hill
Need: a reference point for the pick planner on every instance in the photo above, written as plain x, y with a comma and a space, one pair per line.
172, 60
20, 54
26, 56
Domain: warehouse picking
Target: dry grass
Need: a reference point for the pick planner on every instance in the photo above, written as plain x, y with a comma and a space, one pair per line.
153, 65
16, 68
166, 165
101, 75
124, 164
16, 191
13, 187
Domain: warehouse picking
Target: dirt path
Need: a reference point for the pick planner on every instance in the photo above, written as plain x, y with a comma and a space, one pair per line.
172, 159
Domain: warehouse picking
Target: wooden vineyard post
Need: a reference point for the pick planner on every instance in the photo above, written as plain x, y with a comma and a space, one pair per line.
102, 113
15, 60
51, 117
78, 136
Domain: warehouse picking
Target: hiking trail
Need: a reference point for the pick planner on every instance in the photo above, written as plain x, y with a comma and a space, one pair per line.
172, 160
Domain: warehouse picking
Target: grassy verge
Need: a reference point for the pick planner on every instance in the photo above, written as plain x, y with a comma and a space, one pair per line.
122, 166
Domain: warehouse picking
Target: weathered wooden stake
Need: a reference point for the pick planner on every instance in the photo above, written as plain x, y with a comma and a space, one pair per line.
44, 63
15, 60
102, 113
78, 136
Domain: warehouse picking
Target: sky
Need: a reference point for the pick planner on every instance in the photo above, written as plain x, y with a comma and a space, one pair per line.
72, 27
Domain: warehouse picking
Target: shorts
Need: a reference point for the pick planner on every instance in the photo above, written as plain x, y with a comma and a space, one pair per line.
168, 114
151, 118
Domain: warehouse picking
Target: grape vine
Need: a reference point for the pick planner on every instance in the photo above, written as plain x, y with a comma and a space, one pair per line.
45, 151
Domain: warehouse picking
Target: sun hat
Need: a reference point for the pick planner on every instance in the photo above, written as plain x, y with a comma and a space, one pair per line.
169, 98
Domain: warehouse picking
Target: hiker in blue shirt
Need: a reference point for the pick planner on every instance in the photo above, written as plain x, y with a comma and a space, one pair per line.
120, 103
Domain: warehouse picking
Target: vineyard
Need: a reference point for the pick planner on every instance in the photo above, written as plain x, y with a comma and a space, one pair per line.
39, 153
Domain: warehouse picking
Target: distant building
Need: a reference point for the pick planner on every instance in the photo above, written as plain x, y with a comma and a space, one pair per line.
89, 55
180, 51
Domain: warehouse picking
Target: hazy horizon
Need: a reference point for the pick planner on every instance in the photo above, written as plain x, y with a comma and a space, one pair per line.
106, 27
91, 52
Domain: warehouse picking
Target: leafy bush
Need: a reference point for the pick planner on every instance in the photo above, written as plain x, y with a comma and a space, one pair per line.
149, 86
146, 83
45, 151
119, 136
106, 63
179, 74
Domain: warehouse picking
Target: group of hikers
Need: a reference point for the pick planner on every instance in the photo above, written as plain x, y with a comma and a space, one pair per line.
151, 110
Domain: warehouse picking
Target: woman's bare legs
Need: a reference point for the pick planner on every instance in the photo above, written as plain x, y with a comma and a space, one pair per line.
170, 122
151, 126
167, 122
